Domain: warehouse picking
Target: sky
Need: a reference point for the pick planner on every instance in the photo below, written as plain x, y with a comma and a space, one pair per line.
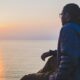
31, 19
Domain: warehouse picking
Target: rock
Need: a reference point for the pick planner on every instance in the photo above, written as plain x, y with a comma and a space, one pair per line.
43, 74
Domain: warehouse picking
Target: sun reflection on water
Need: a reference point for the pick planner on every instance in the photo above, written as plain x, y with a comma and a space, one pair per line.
2, 73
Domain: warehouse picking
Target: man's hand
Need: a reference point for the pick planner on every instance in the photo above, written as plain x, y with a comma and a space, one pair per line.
49, 53
44, 55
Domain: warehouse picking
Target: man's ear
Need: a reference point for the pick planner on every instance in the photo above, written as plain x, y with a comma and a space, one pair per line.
68, 17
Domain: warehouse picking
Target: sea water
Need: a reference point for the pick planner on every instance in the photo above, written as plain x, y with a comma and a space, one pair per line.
22, 57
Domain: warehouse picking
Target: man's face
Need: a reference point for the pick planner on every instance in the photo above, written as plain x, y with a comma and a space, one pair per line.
65, 17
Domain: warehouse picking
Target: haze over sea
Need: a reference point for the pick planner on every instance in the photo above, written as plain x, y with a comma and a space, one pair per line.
21, 57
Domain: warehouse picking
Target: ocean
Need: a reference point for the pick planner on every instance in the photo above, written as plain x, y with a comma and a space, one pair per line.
22, 57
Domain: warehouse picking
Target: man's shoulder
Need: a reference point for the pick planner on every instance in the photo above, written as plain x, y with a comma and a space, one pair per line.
67, 27
70, 27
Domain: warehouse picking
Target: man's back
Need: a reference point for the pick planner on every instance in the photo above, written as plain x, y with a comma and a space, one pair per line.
69, 47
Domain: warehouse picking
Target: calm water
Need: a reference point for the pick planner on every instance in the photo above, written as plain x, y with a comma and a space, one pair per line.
18, 58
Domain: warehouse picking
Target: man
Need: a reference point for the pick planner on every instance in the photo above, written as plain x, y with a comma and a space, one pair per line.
69, 44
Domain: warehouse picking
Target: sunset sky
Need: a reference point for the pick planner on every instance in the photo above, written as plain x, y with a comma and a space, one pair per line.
31, 19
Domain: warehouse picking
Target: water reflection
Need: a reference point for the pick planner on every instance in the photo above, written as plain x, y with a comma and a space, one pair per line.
2, 73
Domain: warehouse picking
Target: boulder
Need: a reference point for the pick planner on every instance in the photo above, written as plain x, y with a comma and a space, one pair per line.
43, 74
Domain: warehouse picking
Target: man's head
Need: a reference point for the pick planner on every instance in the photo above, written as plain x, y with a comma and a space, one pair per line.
70, 13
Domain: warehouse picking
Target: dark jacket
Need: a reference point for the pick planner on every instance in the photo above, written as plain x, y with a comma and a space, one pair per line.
69, 52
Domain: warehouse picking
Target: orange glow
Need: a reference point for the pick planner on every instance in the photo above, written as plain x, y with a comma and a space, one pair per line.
7, 25
2, 73
27, 23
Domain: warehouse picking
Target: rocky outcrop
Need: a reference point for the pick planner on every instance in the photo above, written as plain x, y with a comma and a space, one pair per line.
43, 74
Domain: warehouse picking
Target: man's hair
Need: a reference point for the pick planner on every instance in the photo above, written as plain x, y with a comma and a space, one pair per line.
74, 11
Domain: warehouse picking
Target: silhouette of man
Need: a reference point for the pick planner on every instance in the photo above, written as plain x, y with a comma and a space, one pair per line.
69, 44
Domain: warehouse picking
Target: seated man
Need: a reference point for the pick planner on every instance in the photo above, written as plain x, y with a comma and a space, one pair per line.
49, 68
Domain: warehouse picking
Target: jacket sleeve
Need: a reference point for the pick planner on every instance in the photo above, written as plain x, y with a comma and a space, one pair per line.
68, 45
53, 52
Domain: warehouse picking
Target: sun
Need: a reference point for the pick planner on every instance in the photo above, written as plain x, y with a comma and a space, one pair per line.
3, 25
